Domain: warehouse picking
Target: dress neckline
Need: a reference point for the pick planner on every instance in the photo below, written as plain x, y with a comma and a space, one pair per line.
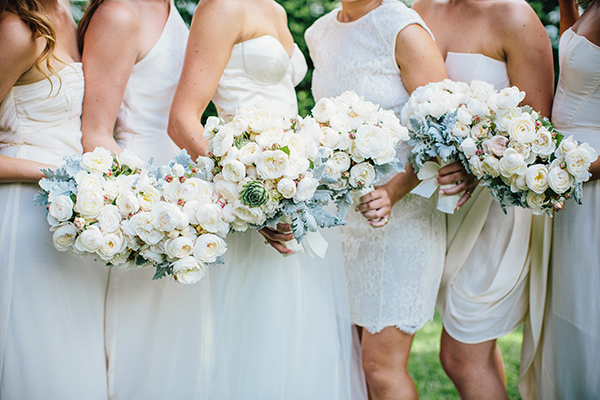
575, 34
74, 66
267, 36
474, 55
160, 39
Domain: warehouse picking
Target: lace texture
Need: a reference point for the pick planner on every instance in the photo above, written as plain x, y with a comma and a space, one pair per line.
393, 272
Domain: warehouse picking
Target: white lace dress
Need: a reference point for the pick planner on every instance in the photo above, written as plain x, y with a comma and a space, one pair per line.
51, 303
394, 271
149, 323
281, 325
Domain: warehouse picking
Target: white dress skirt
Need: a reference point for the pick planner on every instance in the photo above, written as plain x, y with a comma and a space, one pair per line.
51, 303
281, 326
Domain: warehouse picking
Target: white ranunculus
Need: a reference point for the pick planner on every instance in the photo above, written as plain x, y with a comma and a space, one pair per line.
305, 189
253, 215
179, 247
90, 239
209, 217
112, 244
131, 160
522, 129
324, 110
64, 236
271, 164
559, 180
227, 190
362, 175
128, 203
233, 170
210, 128
100, 160
468, 147
537, 178
578, 161
490, 166
188, 270
61, 209
109, 218
543, 144
535, 202
512, 164
208, 247
287, 187
89, 202
222, 142
168, 216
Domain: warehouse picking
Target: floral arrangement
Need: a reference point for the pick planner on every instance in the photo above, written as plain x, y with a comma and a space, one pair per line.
266, 171
359, 140
517, 154
133, 216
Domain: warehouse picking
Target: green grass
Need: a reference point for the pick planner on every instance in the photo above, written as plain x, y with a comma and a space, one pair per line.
431, 380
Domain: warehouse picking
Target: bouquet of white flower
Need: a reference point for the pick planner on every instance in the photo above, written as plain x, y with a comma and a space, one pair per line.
359, 140
264, 170
134, 216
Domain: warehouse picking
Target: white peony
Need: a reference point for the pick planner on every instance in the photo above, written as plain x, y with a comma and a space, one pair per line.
578, 161
179, 247
61, 209
109, 218
509, 98
560, 180
131, 160
287, 187
222, 142
537, 178
512, 164
64, 236
188, 270
89, 240
522, 129
210, 128
253, 215
306, 188
227, 190
168, 216
271, 164
330, 138
209, 217
233, 170
100, 160
208, 247
543, 144
89, 202
128, 203
362, 175
324, 110
146, 196
142, 225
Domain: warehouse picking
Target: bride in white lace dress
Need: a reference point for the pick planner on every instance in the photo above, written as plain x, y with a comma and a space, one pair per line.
281, 327
383, 51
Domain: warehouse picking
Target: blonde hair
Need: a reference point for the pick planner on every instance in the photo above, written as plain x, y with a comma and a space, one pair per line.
29, 11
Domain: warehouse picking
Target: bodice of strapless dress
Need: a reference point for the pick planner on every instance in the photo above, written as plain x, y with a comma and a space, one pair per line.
144, 113
467, 67
41, 121
576, 107
260, 72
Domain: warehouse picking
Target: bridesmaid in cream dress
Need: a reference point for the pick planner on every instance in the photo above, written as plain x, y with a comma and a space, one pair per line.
570, 351
485, 287
132, 58
51, 303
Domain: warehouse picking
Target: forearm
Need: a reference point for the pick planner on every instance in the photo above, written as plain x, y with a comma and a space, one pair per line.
187, 133
401, 184
19, 170
91, 140
569, 14
595, 170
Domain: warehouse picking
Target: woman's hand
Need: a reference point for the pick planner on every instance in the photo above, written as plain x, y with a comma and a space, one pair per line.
276, 237
456, 174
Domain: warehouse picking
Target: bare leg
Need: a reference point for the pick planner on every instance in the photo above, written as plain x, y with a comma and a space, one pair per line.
385, 361
477, 370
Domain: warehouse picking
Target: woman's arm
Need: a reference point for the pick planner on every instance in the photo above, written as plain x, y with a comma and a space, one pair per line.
111, 48
18, 53
216, 27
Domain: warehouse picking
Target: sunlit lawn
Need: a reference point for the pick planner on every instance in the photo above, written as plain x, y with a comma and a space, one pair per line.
431, 380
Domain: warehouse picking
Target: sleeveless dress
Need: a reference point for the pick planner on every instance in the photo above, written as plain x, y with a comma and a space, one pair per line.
281, 324
483, 294
149, 324
51, 303
570, 352
393, 271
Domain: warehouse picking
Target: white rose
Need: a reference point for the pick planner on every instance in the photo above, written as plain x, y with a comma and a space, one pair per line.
362, 175
131, 160
468, 147
371, 141
524, 150
64, 236
543, 144
559, 180
535, 202
190, 189
208, 247
179, 247
306, 188
61, 209
253, 215
490, 166
227, 214
128, 203
271, 164
227, 190
260, 120
89, 240
272, 137
565, 146
112, 245
537, 178
109, 218
89, 202
210, 128
504, 118
386, 156
463, 116
365, 109
296, 166
460, 130
479, 131
152, 254
100, 160
509, 98
248, 154
512, 164
332, 169
233, 170
330, 138
578, 161
478, 108
146, 196
87, 181
222, 142
188, 270
168, 216
209, 218
341, 159
497, 145
522, 129
190, 208
287, 187
324, 110
343, 123
142, 225
239, 125
125, 183
476, 166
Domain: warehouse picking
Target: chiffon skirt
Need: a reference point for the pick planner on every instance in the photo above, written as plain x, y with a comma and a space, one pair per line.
281, 325
51, 309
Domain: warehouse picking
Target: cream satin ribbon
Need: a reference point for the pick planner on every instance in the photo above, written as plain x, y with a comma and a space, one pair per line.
428, 186
313, 243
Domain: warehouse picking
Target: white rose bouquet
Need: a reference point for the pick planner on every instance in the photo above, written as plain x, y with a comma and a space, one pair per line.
263, 169
133, 216
359, 141
525, 162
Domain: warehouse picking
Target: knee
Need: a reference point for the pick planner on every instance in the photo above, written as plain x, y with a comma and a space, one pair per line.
380, 371
453, 362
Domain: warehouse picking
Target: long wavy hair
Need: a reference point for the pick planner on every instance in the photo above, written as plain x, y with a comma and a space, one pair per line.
30, 12
85, 21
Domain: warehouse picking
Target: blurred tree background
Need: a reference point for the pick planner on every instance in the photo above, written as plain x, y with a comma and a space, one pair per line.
302, 13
